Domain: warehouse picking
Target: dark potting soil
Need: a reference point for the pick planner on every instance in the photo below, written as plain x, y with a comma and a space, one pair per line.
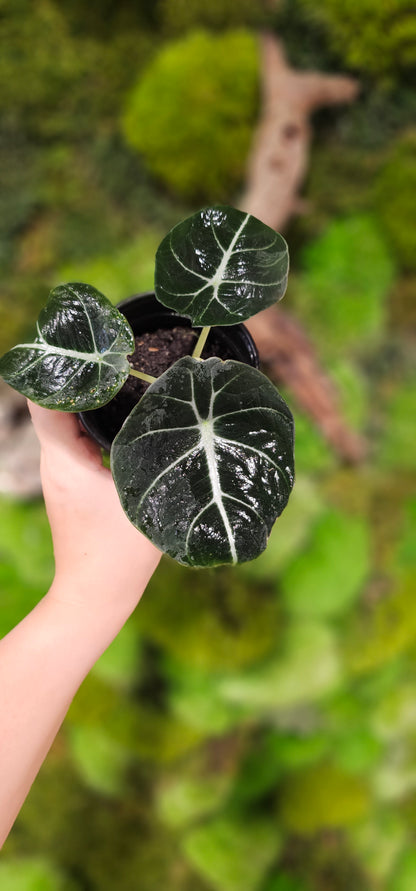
154, 353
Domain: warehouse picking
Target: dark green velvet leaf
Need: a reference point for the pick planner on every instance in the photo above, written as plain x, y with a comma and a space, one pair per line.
221, 266
204, 463
78, 359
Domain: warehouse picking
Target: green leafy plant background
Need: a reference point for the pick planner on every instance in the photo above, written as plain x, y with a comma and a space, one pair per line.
250, 729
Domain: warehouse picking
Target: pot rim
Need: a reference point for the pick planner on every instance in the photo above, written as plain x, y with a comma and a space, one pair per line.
91, 419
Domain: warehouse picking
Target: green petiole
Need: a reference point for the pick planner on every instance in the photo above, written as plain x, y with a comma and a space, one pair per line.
144, 377
199, 346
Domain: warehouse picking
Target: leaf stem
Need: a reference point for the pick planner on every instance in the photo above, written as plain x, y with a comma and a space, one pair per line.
201, 342
144, 377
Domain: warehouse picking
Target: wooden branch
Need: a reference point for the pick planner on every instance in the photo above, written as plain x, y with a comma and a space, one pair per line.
275, 172
290, 359
280, 150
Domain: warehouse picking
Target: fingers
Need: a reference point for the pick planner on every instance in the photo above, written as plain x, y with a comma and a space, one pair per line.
61, 430
53, 427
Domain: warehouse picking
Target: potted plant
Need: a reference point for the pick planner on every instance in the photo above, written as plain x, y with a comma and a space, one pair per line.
203, 463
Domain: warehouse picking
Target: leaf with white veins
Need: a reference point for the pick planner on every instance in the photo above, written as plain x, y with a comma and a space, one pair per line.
78, 359
221, 266
204, 463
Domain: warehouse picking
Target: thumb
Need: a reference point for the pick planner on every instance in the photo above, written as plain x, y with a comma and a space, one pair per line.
61, 431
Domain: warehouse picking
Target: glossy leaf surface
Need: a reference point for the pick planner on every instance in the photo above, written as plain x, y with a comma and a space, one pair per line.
221, 266
78, 359
204, 463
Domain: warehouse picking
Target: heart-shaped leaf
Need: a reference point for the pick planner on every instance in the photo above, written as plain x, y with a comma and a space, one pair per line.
221, 266
204, 463
78, 359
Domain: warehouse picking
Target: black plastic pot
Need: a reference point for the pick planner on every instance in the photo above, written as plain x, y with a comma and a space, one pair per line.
146, 314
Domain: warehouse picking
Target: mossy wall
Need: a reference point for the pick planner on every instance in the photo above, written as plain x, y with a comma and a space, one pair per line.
192, 130
251, 728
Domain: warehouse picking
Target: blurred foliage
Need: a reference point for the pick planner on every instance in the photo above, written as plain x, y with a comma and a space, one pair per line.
394, 193
125, 272
176, 16
31, 874
232, 854
205, 620
320, 797
186, 799
400, 426
286, 680
347, 272
24, 529
388, 629
87, 70
251, 728
404, 876
378, 39
329, 575
193, 132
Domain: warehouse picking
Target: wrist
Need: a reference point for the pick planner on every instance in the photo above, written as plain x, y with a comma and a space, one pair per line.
78, 626
90, 597
95, 584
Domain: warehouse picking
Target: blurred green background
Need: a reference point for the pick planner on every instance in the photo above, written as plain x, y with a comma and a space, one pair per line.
250, 729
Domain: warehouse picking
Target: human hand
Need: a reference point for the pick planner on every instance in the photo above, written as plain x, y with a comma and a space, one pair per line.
102, 567
99, 555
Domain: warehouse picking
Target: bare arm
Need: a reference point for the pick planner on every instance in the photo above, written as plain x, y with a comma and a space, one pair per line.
102, 566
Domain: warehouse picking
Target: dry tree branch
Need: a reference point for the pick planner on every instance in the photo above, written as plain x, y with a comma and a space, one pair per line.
275, 171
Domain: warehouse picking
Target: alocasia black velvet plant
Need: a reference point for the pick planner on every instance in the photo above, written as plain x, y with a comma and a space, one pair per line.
203, 465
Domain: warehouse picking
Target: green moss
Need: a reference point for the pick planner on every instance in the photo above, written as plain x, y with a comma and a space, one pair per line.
342, 294
196, 700
377, 842
120, 664
352, 391
183, 800
191, 113
395, 445
127, 271
259, 770
328, 577
395, 777
180, 15
322, 797
91, 73
12, 322
296, 750
404, 874
145, 732
394, 716
338, 183
358, 750
102, 842
101, 762
286, 882
32, 874
24, 529
233, 855
208, 620
306, 669
20, 184
403, 306
387, 630
27, 78
376, 38
394, 191
405, 552
313, 453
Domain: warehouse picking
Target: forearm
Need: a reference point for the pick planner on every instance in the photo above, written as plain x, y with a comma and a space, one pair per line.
43, 661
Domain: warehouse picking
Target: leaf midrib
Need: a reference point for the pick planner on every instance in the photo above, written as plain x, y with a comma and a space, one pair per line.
73, 354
